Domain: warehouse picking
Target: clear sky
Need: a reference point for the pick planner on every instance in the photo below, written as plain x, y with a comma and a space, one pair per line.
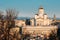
28, 8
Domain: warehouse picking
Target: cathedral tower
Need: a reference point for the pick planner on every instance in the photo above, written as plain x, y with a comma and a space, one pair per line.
54, 17
41, 12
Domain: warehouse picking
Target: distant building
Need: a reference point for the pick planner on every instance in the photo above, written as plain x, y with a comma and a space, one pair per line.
40, 24
20, 23
54, 19
41, 18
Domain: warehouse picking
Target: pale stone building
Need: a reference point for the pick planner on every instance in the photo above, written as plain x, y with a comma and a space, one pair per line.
40, 24
39, 29
20, 23
41, 18
32, 22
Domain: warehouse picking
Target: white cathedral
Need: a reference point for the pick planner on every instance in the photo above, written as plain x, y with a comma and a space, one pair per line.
41, 18
40, 24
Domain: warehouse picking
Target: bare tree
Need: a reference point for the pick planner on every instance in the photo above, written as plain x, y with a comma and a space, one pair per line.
7, 22
1, 24
11, 14
1, 15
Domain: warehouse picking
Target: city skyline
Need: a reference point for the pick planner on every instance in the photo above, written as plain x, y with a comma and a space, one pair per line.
28, 8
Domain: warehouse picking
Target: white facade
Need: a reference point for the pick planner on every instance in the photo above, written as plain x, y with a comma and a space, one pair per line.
42, 22
42, 18
41, 12
39, 29
32, 22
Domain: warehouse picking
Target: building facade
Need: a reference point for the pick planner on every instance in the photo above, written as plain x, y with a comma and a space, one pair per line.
40, 24
41, 18
20, 23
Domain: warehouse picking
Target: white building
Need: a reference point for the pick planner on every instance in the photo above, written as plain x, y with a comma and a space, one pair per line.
41, 18
42, 23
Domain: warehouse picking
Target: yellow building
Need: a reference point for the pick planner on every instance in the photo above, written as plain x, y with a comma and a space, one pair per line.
20, 23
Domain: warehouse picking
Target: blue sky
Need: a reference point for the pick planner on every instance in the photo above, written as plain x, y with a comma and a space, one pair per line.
28, 8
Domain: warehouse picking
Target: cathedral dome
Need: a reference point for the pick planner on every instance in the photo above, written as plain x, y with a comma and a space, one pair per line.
41, 7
